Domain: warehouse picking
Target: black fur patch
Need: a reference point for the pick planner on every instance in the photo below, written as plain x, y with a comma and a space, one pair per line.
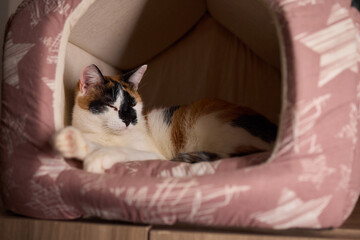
243, 154
195, 157
168, 114
126, 112
97, 107
257, 125
109, 96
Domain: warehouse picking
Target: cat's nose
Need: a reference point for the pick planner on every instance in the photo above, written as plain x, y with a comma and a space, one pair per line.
127, 122
128, 115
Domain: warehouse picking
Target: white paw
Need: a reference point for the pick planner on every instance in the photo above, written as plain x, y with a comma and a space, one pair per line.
103, 159
70, 143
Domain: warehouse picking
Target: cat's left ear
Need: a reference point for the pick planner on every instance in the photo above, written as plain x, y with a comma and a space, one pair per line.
137, 76
90, 77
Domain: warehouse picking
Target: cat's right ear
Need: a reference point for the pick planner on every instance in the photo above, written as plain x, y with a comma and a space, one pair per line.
90, 77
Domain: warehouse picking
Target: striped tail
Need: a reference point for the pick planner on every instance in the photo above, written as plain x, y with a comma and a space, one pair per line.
195, 157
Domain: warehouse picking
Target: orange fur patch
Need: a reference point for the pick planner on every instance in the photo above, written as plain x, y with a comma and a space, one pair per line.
93, 94
126, 86
178, 127
185, 117
226, 111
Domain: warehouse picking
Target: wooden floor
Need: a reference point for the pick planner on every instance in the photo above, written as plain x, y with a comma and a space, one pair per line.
13, 227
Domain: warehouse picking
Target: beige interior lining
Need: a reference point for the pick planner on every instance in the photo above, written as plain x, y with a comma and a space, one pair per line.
194, 49
212, 62
250, 21
128, 33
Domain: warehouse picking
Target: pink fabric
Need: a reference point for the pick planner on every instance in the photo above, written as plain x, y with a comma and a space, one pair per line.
313, 180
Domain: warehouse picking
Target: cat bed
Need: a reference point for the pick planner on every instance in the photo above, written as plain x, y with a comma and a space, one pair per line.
296, 62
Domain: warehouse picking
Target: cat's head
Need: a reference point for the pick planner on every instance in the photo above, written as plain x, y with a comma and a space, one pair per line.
107, 103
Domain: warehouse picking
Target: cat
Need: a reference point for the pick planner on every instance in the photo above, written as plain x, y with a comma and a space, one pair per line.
109, 125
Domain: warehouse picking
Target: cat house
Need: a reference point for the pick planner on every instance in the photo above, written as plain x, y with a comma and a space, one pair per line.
296, 62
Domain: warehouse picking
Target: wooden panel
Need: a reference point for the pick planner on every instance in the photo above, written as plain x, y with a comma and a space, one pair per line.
349, 230
14, 227
176, 235
21, 228
207, 234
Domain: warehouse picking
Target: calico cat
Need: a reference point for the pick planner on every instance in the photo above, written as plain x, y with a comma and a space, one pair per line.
109, 126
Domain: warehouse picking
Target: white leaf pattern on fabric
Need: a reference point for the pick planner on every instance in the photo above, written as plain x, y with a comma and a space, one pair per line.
182, 196
115, 213
336, 45
350, 130
53, 45
13, 134
294, 212
132, 167
345, 172
315, 170
49, 82
337, 13
40, 8
304, 121
48, 200
355, 69
197, 169
290, 4
8, 177
13, 54
51, 167
92, 182
174, 198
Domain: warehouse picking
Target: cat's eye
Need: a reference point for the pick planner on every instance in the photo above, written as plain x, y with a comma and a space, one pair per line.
113, 107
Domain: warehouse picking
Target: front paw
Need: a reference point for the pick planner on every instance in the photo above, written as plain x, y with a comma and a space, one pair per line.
102, 160
70, 143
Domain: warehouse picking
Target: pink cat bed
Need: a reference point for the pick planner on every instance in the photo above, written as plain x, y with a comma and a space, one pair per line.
296, 62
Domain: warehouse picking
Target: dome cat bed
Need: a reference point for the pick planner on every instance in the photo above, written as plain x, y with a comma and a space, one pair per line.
296, 62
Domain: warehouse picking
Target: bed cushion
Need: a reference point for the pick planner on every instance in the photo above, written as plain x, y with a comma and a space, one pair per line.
310, 180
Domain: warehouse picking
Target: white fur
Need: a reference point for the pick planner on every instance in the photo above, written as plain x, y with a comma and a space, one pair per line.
160, 133
117, 142
101, 140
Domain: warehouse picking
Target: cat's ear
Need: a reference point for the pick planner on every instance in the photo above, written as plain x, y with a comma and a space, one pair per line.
90, 77
136, 77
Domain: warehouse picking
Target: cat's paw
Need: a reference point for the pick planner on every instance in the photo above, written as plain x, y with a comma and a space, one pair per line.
70, 143
101, 160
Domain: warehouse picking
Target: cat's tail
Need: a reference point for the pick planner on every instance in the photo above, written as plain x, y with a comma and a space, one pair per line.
203, 156
195, 157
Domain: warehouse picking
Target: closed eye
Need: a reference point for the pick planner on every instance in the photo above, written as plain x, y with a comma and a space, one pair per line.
109, 105
113, 93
